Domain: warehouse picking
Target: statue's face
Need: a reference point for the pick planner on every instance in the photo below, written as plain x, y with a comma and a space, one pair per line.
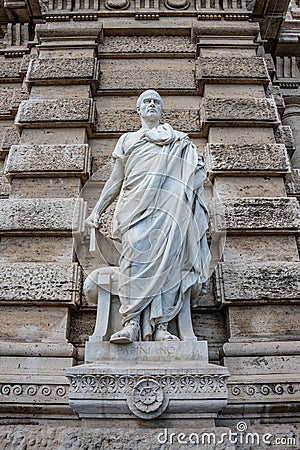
150, 106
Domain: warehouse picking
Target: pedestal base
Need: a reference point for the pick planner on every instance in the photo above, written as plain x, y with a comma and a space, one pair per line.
148, 380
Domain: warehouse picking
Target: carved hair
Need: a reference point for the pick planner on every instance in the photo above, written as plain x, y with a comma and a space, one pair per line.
148, 92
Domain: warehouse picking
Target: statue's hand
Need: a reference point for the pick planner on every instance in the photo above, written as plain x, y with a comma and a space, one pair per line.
93, 221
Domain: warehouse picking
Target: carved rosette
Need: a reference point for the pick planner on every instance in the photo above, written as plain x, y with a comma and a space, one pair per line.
147, 399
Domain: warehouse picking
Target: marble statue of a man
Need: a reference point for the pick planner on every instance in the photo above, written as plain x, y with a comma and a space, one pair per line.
162, 221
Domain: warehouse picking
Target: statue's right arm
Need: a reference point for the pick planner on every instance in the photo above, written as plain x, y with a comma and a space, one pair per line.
109, 192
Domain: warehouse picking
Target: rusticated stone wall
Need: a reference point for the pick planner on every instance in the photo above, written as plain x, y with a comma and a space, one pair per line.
68, 86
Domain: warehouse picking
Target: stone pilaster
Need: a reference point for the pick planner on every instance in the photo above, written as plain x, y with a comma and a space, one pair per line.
41, 282
255, 283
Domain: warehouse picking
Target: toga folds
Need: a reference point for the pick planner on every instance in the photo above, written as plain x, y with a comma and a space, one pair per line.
162, 220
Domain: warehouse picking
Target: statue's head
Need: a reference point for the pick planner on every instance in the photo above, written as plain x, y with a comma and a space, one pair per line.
149, 104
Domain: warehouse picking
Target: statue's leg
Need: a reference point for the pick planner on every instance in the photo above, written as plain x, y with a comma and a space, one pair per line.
130, 332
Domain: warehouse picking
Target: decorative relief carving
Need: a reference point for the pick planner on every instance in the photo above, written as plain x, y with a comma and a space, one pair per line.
16, 38
179, 384
177, 4
269, 389
20, 390
117, 4
147, 399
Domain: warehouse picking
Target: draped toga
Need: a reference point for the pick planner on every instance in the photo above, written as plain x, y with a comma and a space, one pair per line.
162, 220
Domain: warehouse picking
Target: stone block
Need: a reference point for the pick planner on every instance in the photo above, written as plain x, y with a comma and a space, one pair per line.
231, 70
34, 365
62, 70
284, 136
53, 136
260, 248
25, 62
10, 98
253, 214
147, 45
252, 159
40, 283
36, 248
10, 137
265, 365
31, 216
239, 112
139, 74
117, 114
4, 187
293, 183
45, 187
33, 323
258, 282
82, 325
110, 121
234, 91
116, 436
10, 69
52, 160
266, 322
277, 95
247, 186
241, 135
61, 112
6, 95
59, 91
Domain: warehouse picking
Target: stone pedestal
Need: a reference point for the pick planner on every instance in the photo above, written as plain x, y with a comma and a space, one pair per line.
148, 380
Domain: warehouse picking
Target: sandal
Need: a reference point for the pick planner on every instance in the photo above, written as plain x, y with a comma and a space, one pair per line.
162, 333
129, 333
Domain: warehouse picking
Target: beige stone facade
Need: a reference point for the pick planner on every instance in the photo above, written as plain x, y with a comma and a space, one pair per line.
70, 73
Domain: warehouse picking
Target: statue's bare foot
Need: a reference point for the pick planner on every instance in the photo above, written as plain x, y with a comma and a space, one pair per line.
162, 333
129, 333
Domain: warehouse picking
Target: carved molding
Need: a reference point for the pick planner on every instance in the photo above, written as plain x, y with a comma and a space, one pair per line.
9, 391
265, 389
171, 384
